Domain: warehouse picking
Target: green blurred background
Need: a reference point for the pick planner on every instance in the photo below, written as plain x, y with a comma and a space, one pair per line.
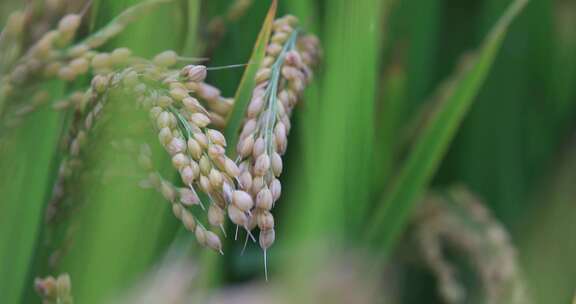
371, 131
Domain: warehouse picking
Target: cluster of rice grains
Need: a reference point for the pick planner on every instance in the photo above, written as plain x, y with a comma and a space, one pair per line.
186, 114
244, 190
280, 81
171, 96
197, 150
55, 290
458, 239
25, 66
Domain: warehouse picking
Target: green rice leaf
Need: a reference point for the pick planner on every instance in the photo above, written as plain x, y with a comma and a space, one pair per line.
248, 82
433, 141
24, 185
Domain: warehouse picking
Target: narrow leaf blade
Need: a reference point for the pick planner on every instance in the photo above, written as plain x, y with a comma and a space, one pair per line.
248, 82
431, 145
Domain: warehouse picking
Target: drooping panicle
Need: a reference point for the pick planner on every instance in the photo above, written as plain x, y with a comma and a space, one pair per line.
280, 82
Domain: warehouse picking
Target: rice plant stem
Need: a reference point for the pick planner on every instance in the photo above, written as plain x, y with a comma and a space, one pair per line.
272, 90
182, 122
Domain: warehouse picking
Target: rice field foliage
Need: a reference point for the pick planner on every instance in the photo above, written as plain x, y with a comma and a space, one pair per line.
370, 151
